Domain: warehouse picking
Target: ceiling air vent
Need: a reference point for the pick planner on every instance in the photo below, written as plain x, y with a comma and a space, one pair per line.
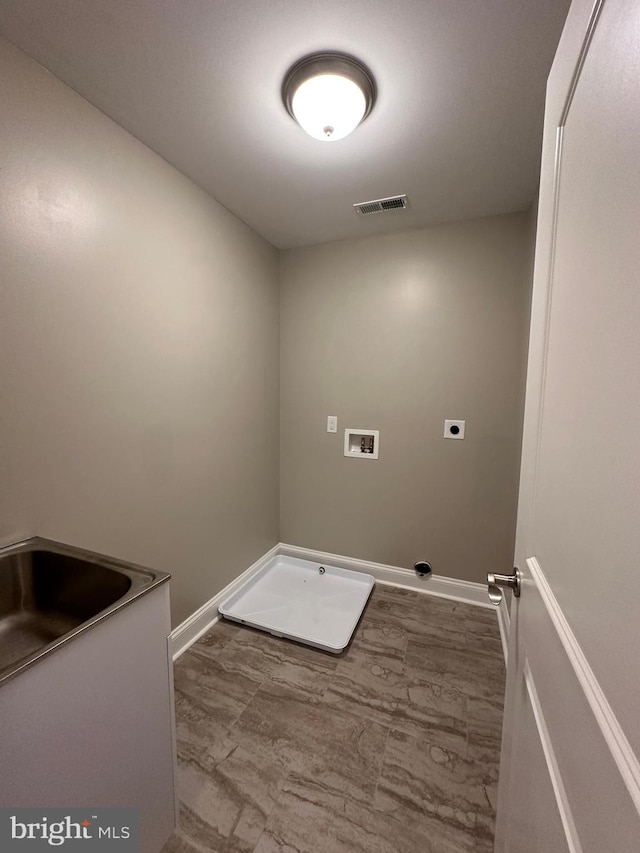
380, 205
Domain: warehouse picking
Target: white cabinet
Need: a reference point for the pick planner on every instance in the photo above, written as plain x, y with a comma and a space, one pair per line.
91, 724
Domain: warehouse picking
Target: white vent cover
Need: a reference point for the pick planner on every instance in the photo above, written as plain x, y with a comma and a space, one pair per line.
380, 205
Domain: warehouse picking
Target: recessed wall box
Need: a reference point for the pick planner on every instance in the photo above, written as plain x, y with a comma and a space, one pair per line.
361, 443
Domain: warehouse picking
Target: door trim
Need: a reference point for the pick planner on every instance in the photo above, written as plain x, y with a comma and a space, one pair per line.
562, 800
614, 736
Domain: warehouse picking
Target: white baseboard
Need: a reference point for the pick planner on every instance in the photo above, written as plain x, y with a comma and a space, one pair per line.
182, 637
194, 626
457, 590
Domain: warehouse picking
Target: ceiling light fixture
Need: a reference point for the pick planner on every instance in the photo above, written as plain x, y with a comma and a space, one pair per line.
329, 94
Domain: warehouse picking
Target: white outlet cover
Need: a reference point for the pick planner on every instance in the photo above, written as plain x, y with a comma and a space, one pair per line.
450, 430
332, 423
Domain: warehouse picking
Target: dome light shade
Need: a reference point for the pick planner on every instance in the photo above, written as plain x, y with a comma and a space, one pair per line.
328, 106
328, 94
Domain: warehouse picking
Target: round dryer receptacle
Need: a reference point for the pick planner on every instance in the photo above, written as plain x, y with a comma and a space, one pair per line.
423, 568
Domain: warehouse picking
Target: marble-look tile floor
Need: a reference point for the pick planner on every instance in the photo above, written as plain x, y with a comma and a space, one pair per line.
391, 747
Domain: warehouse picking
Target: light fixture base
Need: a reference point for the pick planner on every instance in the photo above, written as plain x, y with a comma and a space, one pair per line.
330, 63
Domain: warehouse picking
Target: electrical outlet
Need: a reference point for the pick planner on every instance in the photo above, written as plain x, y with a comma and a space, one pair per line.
332, 423
454, 429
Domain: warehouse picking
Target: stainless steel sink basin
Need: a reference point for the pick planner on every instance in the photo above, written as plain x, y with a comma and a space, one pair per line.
50, 593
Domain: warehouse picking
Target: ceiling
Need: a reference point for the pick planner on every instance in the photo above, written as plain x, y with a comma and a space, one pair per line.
457, 124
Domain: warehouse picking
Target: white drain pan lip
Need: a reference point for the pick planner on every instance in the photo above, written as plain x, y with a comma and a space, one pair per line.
292, 598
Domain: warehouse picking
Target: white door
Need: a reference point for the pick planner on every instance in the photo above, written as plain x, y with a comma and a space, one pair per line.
570, 776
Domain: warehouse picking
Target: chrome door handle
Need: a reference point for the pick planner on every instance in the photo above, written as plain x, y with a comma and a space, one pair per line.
495, 581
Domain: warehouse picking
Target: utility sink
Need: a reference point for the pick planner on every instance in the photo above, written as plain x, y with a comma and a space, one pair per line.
50, 593
86, 702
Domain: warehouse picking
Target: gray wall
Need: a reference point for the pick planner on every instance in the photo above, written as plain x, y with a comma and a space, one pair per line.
398, 333
139, 366
138, 349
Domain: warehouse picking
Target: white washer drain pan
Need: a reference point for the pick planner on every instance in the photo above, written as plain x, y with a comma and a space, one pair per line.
295, 599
